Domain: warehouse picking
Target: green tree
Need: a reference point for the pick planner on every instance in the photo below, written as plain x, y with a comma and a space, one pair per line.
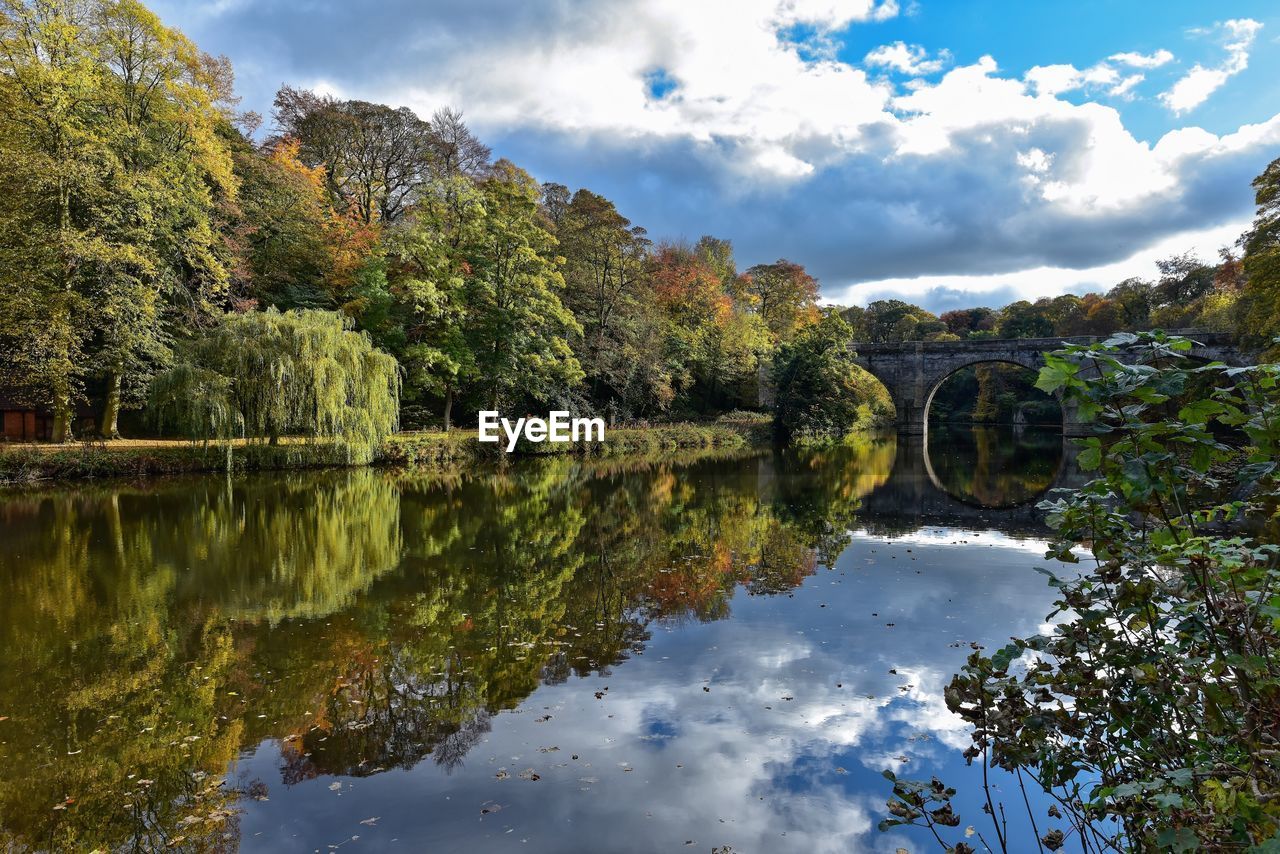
892, 320
1023, 319
110, 146
268, 374
818, 389
430, 282
604, 273
517, 326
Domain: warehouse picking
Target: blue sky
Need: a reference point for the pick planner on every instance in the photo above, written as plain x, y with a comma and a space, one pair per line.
950, 153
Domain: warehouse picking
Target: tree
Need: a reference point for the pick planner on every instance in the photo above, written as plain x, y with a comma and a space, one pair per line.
1261, 245
555, 201
965, 322
817, 383
375, 158
300, 252
1183, 279
713, 344
270, 374
892, 320
1135, 297
429, 282
1022, 319
518, 328
783, 295
604, 273
455, 150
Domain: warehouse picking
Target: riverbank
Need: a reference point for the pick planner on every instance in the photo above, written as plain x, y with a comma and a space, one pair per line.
148, 457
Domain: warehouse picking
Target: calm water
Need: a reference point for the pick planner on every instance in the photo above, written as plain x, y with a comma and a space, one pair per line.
557, 657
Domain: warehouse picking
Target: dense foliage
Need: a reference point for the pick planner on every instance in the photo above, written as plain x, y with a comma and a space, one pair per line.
1151, 712
820, 393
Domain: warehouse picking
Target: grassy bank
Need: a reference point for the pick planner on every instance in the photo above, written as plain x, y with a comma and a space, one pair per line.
30, 463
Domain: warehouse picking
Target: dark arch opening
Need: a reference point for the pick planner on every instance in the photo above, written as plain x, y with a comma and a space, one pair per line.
992, 438
992, 393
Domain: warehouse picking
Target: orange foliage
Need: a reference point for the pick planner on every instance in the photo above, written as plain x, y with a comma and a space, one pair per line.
685, 284
349, 241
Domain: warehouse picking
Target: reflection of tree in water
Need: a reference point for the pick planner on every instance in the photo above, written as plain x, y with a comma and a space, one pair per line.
995, 467
364, 621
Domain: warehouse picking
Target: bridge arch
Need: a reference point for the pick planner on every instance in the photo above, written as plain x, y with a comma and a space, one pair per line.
1030, 364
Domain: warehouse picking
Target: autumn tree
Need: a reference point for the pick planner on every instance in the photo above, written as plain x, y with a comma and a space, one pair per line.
374, 157
966, 322
300, 251
783, 294
714, 344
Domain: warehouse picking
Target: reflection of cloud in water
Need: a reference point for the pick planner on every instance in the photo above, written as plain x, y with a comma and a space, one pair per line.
781, 753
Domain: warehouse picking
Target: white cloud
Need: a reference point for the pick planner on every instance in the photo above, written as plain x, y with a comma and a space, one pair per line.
1143, 60
909, 59
1124, 88
1053, 80
1199, 83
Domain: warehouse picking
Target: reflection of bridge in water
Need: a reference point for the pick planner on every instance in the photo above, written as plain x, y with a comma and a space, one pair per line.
914, 496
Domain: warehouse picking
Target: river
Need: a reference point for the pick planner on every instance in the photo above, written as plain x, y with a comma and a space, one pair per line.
715, 655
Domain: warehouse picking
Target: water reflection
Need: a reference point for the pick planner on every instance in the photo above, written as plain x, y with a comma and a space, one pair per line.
546, 650
1000, 467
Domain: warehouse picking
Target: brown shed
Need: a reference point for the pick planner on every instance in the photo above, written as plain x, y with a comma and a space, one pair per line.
23, 423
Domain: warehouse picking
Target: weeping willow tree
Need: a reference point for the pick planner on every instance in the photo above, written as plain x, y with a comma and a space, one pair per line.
264, 375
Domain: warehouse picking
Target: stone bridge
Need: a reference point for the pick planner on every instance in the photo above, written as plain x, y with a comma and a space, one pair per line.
913, 371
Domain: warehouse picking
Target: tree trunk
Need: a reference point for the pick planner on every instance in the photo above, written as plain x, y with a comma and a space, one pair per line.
62, 417
111, 409
448, 407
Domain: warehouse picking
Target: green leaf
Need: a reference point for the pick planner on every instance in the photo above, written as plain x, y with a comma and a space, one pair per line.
1178, 839
1090, 454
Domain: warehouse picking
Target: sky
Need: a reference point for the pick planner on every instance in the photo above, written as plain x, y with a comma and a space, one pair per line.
949, 153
